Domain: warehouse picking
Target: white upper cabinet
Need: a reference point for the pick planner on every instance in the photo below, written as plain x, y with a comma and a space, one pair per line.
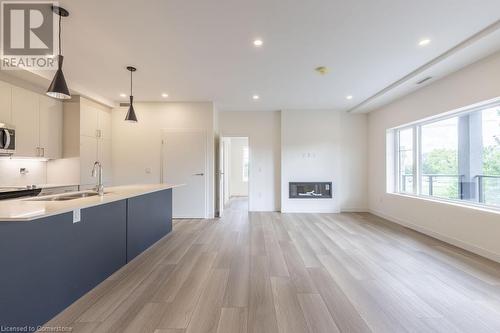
5, 103
104, 124
51, 124
38, 121
94, 120
89, 115
25, 106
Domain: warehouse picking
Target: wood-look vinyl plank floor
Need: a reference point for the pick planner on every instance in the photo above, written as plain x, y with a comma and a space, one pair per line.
269, 272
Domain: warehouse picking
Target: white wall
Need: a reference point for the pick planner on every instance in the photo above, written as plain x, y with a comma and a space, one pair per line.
354, 162
136, 146
324, 145
64, 171
338, 140
237, 187
263, 132
474, 229
10, 175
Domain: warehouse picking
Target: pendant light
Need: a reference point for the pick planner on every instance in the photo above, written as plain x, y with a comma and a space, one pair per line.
131, 112
58, 87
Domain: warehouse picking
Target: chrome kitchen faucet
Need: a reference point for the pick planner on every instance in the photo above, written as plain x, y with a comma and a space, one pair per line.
97, 172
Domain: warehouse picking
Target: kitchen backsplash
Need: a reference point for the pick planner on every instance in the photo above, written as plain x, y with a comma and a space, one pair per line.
35, 172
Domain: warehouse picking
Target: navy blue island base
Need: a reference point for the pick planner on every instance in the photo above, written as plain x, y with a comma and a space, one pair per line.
46, 264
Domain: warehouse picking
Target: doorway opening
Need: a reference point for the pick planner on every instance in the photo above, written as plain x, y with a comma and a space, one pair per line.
234, 179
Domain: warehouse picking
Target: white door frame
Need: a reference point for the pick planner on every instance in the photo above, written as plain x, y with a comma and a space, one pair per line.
222, 167
220, 176
164, 132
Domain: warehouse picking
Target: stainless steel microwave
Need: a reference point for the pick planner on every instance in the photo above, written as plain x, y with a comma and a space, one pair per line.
7, 140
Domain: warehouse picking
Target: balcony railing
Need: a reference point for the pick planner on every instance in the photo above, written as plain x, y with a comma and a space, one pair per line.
452, 187
488, 188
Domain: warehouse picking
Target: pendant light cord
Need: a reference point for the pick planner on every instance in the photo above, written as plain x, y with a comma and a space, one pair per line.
130, 83
60, 50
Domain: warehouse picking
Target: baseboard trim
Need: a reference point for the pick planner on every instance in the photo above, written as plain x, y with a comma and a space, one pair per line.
447, 239
354, 210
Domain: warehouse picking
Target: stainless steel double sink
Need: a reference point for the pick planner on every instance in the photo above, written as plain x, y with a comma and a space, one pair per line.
65, 197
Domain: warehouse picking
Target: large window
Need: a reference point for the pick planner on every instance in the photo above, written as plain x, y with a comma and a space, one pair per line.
439, 151
454, 157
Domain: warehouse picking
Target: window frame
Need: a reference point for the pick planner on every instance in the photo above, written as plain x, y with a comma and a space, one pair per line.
417, 149
397, 160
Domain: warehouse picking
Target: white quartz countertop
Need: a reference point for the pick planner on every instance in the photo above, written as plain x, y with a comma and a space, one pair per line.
55, 185
28, 209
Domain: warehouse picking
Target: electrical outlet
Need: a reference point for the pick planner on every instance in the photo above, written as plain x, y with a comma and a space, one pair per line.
77, 216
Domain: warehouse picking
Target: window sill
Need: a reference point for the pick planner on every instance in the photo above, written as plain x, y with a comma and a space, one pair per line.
482, 208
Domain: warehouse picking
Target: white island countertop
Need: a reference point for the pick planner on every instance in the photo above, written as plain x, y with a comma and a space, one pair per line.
34, 208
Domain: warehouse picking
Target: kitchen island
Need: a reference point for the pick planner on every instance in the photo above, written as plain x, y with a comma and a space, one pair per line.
54, 249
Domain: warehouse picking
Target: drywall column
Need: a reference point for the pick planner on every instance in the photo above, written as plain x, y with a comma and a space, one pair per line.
470, 154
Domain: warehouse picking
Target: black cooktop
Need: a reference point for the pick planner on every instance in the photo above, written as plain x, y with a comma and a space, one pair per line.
18, 192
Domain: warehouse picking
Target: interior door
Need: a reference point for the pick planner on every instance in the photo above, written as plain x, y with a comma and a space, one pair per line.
184, 162
227, 169
221, 176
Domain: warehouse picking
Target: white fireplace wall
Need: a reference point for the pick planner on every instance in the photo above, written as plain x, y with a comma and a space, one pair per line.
324, 145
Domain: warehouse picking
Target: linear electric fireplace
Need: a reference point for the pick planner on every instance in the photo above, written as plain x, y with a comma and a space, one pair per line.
310, 190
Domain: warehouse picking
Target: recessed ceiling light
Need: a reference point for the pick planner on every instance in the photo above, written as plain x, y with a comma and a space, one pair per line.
123, 95
322, 70
164, 95
348, 97
255, 97
258, 42
424, 42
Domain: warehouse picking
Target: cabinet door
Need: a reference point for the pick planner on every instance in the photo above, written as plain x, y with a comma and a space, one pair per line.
105, 159
51, 122
88, 155
25, 107
89, 116
104, 124
5, 103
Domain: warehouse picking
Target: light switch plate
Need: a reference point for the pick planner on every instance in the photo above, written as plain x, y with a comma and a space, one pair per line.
77, 216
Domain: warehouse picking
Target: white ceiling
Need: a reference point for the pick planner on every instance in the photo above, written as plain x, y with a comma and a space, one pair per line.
199, 50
